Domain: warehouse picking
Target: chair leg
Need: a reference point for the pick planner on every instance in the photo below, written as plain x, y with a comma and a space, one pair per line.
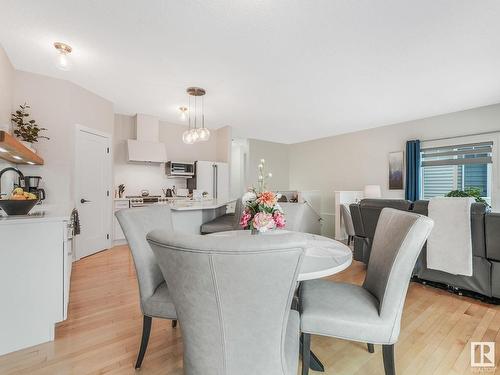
306, 353
348, 240
371, 348
174, 323
146, 330
388, 354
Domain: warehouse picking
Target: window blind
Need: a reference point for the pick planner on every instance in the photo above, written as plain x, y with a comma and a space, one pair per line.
473, 153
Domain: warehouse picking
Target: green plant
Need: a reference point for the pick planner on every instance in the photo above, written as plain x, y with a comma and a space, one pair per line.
469, 192
27, 130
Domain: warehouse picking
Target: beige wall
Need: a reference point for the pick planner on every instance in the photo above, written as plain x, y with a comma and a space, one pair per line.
58, 105
276, 156
224, 137
6, 89
350, 161
138, 176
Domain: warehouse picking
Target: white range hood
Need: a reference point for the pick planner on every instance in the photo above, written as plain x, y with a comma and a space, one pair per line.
146, 148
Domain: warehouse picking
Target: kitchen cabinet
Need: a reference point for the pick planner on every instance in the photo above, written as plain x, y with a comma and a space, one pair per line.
35, 272
119, 204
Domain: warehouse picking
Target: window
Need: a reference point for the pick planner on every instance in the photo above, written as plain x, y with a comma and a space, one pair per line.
458, 167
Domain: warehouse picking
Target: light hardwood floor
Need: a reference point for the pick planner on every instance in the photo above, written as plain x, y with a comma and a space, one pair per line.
103, 331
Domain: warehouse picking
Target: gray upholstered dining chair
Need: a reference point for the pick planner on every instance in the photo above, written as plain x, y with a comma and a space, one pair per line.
233, 298
370, 313
349, 226
154, 294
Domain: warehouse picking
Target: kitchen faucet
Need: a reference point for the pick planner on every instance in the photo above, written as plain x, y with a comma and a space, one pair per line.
21, 176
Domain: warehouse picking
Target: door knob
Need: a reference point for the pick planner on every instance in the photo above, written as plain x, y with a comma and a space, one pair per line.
82, 201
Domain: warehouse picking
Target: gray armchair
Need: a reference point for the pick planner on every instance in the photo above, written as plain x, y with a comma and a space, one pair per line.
233, 298
154, 294
370, 313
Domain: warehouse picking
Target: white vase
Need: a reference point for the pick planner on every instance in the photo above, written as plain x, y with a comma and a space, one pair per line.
29, 146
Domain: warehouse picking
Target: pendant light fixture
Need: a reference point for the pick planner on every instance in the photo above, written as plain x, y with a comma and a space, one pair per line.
197, 132
183, 110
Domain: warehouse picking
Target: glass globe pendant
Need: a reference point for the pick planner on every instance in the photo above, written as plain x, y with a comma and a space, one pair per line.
204, 134
194, 135
187, 137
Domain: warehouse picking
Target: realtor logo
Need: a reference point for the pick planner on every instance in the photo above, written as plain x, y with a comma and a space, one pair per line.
482, 354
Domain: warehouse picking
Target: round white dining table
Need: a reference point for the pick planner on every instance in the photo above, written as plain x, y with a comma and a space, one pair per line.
323, 257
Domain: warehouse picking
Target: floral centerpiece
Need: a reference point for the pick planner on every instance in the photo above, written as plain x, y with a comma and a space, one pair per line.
261, 209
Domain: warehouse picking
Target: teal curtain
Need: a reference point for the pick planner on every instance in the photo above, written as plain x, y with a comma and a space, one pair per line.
412, 191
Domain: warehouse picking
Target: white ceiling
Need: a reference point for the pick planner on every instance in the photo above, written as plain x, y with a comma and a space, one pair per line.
281, 70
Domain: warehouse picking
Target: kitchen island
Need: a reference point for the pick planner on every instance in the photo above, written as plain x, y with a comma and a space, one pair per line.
189, 215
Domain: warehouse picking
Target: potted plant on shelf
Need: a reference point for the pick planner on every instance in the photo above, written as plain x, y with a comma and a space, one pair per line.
262, 211
25, 129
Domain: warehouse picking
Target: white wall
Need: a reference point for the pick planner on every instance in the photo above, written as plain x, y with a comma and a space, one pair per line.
238, 167
350, 161
6, 89
138, 176
277, 160
58, 105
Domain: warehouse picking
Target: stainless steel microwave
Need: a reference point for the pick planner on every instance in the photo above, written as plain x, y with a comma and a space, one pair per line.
179, 169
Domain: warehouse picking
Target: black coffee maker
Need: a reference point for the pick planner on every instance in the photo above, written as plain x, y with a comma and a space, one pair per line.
31, 184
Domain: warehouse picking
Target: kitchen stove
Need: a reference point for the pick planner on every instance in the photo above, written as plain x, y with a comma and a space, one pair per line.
140, 201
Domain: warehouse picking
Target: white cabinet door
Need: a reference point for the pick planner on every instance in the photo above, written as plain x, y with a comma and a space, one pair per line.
117, 229
67, 264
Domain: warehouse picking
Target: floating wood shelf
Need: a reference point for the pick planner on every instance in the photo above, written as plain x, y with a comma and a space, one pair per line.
14, 151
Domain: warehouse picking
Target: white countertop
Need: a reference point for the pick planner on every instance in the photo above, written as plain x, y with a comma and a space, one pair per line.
190, 205
40, 213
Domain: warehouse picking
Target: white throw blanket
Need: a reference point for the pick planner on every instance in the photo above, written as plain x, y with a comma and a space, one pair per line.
449, 247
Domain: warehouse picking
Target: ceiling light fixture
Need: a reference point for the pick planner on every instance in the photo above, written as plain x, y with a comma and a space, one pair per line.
196, 133
17, 157
183, 110
3, 150
63, 62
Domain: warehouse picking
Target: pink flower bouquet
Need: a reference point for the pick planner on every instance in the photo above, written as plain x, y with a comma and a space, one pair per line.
262, 211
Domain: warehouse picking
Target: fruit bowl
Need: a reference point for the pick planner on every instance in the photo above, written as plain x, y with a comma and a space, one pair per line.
17, 207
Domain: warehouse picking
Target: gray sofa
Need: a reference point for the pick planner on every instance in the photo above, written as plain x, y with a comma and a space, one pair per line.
485, 281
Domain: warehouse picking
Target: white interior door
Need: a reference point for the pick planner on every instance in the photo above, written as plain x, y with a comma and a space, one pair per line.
92, 191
